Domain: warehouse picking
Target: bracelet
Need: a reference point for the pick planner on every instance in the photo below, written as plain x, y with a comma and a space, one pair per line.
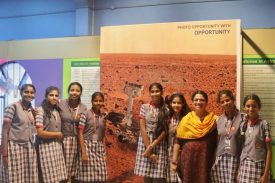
153, 155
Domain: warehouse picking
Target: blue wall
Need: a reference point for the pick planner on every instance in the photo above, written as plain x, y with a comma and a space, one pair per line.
30, 19
253, 13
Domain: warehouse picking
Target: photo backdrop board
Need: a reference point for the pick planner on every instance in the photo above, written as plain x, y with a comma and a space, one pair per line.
182, 56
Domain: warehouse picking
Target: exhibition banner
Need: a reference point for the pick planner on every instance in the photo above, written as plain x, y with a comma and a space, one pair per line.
182, 56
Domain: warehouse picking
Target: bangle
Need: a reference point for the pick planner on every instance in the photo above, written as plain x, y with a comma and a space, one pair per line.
153, 155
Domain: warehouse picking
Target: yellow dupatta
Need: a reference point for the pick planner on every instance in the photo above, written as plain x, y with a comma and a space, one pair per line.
191, 127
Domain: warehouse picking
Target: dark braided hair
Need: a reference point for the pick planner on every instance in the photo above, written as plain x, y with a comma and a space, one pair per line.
162, 123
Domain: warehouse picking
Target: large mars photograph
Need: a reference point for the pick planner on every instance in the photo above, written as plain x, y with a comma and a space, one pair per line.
128, 67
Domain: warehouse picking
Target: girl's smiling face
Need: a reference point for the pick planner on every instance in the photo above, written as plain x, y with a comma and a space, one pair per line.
252, 109
28, 94
74, 92
227, 103
155, 94
176, 105
97, 103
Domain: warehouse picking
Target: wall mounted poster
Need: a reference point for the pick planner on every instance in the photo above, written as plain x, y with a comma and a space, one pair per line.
259, 73
85, 71
182, 56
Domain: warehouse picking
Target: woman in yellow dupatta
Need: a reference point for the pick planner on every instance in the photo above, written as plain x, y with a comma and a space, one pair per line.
197, 135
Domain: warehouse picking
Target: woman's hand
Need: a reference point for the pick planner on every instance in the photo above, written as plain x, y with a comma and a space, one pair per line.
238, 176
153, 158
84, 158
35, 110
174, 166
59, 135
148, 151
264, 178
77, 117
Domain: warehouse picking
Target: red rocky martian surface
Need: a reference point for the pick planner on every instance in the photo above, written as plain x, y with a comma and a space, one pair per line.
176, 72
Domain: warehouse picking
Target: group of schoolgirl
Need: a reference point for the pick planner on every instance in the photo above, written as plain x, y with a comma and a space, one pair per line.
60, 141
175, 144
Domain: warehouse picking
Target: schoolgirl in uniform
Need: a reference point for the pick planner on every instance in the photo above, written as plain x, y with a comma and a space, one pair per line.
48, 124
71, 109
177, 109
18, 151
152, 164
256, 153
92, 166
228, 150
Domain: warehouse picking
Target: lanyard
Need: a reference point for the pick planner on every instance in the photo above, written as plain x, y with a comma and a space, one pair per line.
54, 112
228, 129
229, 126
77, 109
96, 118
154, 111
27, 112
